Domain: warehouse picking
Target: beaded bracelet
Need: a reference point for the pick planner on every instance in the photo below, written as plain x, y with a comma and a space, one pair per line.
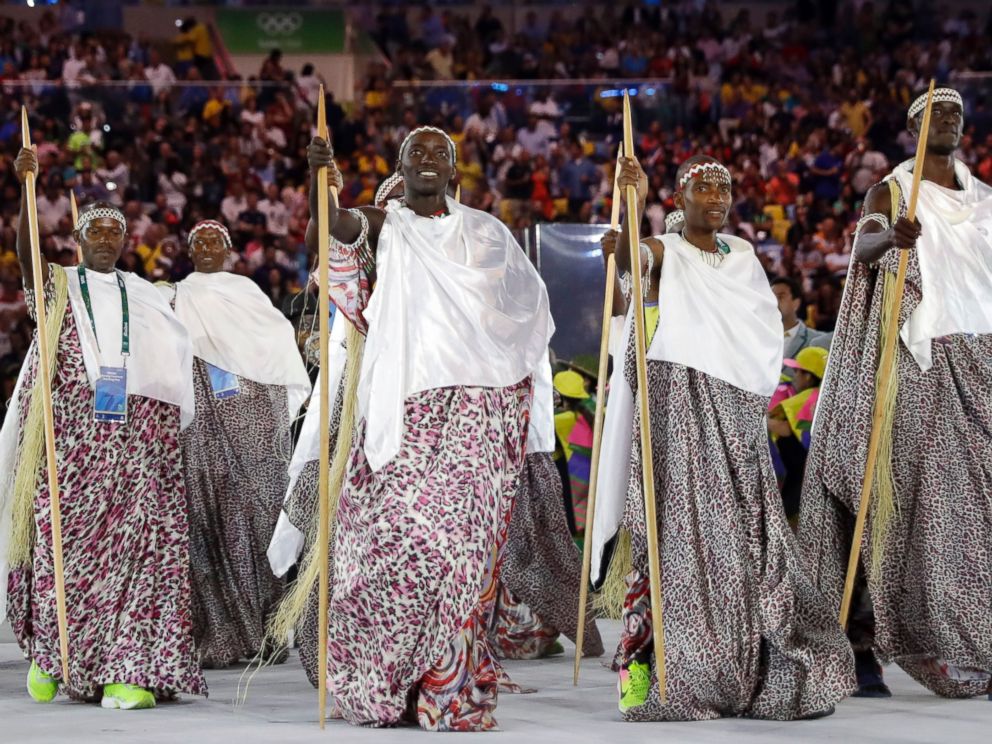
351, 248
878, 217
627, 281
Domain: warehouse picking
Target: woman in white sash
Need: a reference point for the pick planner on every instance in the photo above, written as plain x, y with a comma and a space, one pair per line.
456, 322
745, 632
250, 382
121, 392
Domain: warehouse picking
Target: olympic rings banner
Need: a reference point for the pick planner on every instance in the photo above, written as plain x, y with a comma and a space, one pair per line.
291, 30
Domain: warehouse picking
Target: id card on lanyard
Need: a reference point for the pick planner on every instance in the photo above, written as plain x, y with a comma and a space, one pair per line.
224, 384
110, 395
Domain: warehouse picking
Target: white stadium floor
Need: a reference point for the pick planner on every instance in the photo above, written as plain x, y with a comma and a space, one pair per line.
281, 709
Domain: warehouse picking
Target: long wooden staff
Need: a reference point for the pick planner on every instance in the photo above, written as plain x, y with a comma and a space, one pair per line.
75, 226
597, 432
44, 378
647, 454
323, 535
884, 372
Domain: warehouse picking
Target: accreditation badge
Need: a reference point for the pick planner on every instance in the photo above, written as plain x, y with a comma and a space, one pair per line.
110, 396
223, 383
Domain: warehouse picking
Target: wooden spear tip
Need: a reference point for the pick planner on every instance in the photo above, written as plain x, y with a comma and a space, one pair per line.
628, 128
25, 127
321, 114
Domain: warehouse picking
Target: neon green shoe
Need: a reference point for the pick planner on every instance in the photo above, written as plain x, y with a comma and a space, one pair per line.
635, 684
555, 649
41, 687
127, 697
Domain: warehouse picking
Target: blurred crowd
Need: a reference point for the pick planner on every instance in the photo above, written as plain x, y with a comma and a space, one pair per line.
806, 105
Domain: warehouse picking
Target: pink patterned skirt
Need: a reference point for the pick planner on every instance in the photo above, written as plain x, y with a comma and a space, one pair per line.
416, 559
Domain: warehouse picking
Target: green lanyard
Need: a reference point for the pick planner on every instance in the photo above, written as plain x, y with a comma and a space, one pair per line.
125, 317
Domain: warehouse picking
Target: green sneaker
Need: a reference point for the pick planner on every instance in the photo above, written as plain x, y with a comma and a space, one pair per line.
127, 697
555, 649
41, 687
635, 684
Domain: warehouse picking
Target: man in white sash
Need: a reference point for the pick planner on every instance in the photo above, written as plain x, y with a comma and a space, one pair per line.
457, 323
122, 390
250, 382
925, 554
745, 632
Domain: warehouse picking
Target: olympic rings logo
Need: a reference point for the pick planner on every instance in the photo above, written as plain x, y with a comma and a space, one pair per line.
279, 24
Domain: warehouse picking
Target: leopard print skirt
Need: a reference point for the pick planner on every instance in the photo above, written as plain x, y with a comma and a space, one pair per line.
542, 569
235, 455
746, 634
301, 508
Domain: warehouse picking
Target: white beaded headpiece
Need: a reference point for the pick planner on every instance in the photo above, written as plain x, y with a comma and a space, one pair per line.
385, 189
711, 170
210, 225
390, 183
433, 130
100, 212
940, 95
673, 219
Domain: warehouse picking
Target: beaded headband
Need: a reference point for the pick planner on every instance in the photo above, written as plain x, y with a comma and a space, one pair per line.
714, 171
382, 193
941, 95
674, 218
100, 212
390, 183
433, 130
210, 225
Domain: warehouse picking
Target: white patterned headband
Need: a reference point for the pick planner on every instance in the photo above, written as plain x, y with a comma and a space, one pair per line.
453, 151
99, 213
710, 170
941, 95
674, 218
210, 225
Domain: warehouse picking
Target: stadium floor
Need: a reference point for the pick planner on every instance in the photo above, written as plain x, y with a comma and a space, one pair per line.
281, 708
